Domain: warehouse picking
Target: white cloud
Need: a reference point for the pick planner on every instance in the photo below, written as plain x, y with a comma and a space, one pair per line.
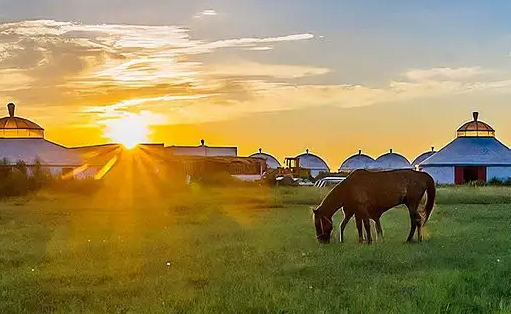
444, 73
260, 48
205, 13
254, 69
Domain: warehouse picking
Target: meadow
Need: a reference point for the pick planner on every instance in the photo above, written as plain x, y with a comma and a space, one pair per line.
248, 249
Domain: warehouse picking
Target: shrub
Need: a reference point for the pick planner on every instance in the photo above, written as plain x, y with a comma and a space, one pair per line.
19, 180
495, 181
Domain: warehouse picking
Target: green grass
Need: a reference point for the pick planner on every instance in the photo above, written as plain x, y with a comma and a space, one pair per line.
247, 250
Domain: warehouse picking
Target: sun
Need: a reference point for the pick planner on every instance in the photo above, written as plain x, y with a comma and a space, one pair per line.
129, 130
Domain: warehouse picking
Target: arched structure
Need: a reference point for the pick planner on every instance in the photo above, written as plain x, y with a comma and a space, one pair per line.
475, 128
358, 161
313, 162
271, 162
423, 157
17, 127
391, 161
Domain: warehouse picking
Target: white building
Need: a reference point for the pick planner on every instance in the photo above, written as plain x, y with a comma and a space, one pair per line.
23, 140
475, 154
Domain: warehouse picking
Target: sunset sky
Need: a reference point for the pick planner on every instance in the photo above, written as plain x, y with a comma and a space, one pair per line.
329, 75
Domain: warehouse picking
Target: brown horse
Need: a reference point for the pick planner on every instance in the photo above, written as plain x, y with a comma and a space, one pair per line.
368, 194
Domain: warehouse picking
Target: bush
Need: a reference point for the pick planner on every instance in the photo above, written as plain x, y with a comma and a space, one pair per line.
19, 180
495, 181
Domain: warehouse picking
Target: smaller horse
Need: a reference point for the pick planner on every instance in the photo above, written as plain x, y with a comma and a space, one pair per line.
369, 194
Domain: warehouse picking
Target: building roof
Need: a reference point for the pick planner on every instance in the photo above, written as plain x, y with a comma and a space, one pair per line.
311, 161
391, 160
467, 151
202, 150
17, 127
28, 149
475, 128
423, 156
358, 161
271, 162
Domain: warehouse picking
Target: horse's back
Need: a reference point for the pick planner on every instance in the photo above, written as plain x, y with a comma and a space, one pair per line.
386, 188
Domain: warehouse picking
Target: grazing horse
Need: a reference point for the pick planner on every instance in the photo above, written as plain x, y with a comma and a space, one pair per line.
368, 194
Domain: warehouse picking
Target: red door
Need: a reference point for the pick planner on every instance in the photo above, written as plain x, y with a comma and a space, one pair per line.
481, 173
469, 173
458, 175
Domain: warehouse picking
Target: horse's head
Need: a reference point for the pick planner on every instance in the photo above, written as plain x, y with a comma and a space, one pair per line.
323, 226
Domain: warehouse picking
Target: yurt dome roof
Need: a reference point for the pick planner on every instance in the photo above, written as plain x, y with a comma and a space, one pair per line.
311, 161
471, 151
358, 161
17, 127
423, 156
392, 160
476, 128
271, 161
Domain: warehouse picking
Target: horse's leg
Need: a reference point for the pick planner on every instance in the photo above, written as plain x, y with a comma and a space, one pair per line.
415, 221
412, 228
343, 225
379, 230
359, 229
367, 224
418, 223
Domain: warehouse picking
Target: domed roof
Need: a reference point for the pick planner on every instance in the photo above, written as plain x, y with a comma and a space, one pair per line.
271, 162
423, 156
359, 161
392, 160
17, 127
311, 161
476, 128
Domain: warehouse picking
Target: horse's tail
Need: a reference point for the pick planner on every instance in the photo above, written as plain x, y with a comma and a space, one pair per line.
431, 194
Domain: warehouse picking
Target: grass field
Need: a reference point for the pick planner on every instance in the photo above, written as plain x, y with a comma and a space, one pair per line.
247, 250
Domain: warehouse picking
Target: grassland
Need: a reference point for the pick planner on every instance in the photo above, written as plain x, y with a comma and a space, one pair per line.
247, 250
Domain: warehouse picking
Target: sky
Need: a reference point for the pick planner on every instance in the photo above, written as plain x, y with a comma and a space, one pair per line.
331, 76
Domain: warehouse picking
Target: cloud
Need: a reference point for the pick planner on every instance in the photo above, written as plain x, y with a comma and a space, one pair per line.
252, 42
444, 73
205, 13
96, 73
260, 48
254, 69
